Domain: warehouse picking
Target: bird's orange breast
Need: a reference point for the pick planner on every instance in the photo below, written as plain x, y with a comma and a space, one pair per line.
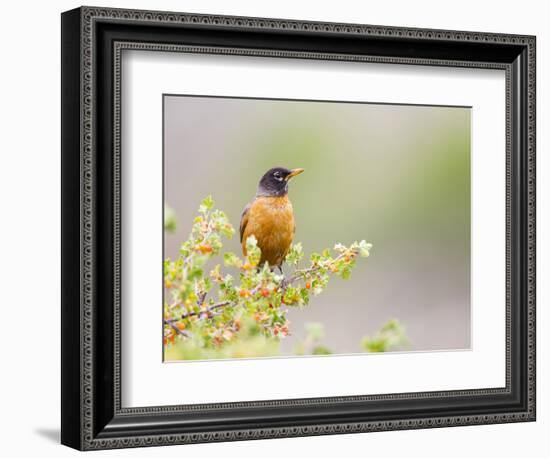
271, 221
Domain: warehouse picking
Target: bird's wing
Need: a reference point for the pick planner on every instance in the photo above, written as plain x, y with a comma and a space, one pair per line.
244, 220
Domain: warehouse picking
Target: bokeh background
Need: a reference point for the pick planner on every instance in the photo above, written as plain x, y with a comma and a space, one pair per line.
395, 175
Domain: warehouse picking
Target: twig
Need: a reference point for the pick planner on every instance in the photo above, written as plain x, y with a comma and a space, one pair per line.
212, 307
299, 274
202, 297
203, 312
172, 324
204, 235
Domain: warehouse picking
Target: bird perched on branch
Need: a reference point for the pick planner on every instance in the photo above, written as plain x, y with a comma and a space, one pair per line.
270, 218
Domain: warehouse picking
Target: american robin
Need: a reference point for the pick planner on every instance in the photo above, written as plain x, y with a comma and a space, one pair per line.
270, 218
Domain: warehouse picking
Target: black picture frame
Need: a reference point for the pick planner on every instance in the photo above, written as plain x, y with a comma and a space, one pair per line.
92, 415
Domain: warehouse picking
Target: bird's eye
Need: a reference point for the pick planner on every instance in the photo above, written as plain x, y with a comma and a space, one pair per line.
278, 176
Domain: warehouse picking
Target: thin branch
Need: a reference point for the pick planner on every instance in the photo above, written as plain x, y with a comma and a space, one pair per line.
208, 309
253, 291
299, 274
212, 307
172, 324
218, 305
201, 299
204, 235
201, 312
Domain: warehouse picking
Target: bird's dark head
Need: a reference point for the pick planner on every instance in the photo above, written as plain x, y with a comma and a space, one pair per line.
275, 181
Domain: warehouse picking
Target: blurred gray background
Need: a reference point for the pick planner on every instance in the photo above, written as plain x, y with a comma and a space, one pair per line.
395, 175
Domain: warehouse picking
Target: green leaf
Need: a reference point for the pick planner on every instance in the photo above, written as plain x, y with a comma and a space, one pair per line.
391, 336
227, 230
315, 331
295, 254
292, 296
364, 248
170, 221
345, 273
207, 284
253, 252
231, 260
321, 350
315, 257
206, 204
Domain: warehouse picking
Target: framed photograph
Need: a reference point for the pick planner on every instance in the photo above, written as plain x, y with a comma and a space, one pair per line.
276, 228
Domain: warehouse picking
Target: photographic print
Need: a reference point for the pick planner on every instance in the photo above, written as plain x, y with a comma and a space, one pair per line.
309, 228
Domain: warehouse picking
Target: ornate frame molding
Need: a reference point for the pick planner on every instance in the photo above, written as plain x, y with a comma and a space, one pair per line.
89, 434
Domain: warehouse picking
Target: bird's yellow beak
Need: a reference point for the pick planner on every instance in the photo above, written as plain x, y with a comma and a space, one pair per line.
293, 173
